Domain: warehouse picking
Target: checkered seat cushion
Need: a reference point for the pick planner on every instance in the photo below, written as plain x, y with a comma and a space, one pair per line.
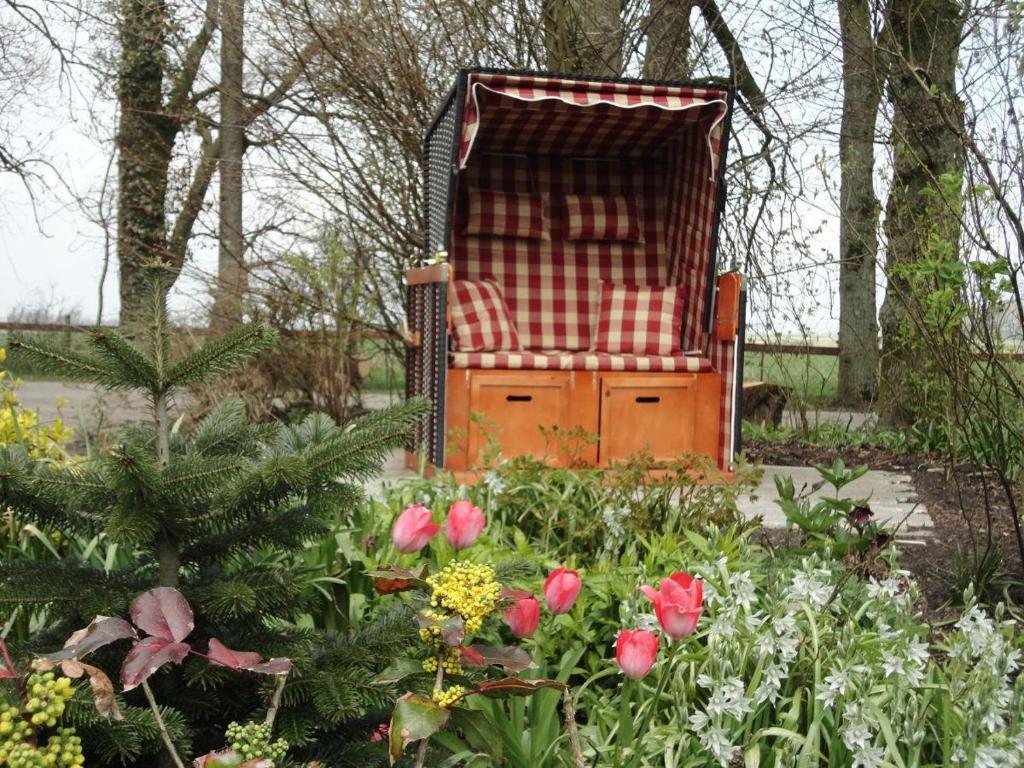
555, 360
639, 319
481, 319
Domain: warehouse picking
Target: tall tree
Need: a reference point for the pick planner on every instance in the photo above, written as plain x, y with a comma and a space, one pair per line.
858, 206
157, 103
923, 213
232, 275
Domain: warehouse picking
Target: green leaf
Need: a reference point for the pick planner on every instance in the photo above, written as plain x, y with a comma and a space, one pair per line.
480, 733
399, 669
415, 717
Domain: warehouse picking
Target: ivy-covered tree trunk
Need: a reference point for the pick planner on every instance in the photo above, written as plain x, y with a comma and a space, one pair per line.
923, 212
668, 40
858, 207
145, 139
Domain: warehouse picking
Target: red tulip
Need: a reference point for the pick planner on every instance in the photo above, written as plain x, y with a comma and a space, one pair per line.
561, 589
523, 616
464, 523
635, 652
677, 603
414, 529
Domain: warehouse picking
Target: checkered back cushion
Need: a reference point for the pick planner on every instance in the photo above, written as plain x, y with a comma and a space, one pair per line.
598, 217
506, 214
553, 287
480, 317
639, 320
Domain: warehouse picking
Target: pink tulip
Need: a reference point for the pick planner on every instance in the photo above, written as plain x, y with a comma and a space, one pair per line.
414, 529
464, 523
635, 652
523, 616
677, 603
561, 589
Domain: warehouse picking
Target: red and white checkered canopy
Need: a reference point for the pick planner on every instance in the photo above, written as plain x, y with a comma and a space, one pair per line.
534, 115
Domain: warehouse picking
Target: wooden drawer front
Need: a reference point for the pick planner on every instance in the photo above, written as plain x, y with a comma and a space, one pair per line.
664, 415
512, 410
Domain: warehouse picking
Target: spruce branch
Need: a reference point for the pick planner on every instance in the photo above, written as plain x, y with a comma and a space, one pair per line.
124, 360
221, 355
56, 360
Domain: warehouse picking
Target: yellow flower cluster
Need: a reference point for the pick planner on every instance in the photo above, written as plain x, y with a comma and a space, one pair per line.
20, 425
468, 589
447, 698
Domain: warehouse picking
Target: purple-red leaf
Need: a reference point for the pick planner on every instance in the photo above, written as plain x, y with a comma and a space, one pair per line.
222, 656
163, 612
101, 631
509, 658
7, 670
513, 686
147, 656
228, 758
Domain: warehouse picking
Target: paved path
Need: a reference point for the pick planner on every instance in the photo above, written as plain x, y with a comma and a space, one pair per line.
890, 495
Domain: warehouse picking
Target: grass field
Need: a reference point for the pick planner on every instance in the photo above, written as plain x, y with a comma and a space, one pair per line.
809, 378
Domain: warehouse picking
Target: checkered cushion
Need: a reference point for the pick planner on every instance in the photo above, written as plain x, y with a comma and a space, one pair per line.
555, 360
639, 319
505, 214
480, 317
600, 217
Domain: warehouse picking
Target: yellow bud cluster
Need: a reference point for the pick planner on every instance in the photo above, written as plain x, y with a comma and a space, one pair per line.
447, 698
433, 632
453, 661
468, 589
13, 730
48, 696
430, 664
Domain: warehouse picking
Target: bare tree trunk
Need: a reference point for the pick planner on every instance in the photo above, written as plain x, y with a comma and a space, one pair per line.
145, 139
599, 38
924, 36
584, 37
232, 276
858, 207
668, 40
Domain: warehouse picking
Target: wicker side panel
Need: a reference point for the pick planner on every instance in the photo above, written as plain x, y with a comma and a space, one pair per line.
438, 168
426, 365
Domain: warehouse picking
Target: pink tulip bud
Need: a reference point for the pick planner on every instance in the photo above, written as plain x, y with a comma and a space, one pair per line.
414, 529
635, 652
677, 604
523, 616
561, 589
464, 523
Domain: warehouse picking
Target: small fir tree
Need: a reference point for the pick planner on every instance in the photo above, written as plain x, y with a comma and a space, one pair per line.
222, 512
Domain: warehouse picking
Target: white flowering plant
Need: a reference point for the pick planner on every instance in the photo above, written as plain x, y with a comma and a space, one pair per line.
803, 661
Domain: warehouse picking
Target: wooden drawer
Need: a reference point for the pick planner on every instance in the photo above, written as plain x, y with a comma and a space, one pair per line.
665, 415
509, 410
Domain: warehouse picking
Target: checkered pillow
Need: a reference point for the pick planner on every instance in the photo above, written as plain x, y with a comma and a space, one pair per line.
600, 217
507, 214
481, 318
639, 319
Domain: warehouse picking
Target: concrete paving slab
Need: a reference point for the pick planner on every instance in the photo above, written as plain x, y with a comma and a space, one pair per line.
891, 496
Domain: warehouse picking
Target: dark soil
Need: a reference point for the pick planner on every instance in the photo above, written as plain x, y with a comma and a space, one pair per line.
968, 508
